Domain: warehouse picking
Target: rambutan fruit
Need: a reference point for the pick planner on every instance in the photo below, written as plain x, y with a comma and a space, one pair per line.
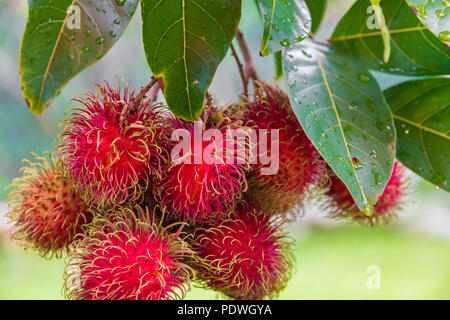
112, 152
340, 203
128, 256
246, 256
46, 212
299, 163
194, 188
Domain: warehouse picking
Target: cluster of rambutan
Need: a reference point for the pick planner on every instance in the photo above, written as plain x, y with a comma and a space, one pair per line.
139, 223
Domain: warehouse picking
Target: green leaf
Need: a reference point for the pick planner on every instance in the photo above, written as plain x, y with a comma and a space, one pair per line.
64, 37
185, 41
415, 50
435, 15
422, 117
285, 23
317, 9
342, 110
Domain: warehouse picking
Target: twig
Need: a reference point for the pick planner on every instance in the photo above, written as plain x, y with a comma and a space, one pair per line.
209, 98
153, 94
134, 104
241, 69
250, 71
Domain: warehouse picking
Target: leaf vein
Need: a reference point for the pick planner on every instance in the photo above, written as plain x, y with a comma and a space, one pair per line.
421, 127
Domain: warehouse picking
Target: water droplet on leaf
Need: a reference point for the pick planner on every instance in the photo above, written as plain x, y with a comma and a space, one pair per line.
444, 36
285, 43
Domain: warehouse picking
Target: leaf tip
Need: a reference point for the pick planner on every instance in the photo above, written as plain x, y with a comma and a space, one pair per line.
367, 209
35, 108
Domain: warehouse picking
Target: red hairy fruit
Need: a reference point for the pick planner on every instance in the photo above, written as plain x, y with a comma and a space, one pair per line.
205, 179
46, 211
342, 205
245, 257
111, 152
300, 166
128, 257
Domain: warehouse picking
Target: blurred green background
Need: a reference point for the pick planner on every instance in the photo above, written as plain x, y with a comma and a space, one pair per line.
413, 254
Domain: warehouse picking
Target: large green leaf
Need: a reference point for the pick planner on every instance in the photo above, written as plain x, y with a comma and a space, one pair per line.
435, 15
415, 50
422, 117
317, 9
64, 37
342, 110
185, 41
285, 23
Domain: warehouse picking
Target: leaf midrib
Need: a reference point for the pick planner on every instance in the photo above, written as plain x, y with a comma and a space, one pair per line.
374, 34
385, 33
333, 104
183, 3
47, 69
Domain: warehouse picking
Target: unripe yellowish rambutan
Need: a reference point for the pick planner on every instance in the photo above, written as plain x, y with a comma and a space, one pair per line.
46, 212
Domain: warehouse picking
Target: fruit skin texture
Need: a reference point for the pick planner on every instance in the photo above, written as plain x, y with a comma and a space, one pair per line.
300, 166
112, 155
342, 205
245, 257
46, 211
198, 192
126, 256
